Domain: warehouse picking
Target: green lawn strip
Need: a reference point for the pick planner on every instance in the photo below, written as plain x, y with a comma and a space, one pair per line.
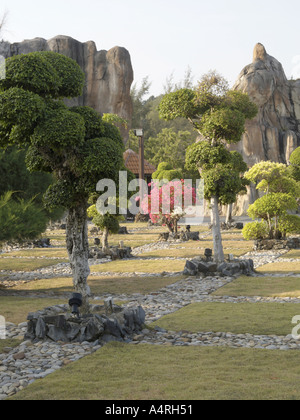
15, 309
293, 253
100, 285
128, 243
187, 252
9, 342
23, 264
141, 266
146, 372
38, 252
280, 267
205, 243
238, 318
261, 286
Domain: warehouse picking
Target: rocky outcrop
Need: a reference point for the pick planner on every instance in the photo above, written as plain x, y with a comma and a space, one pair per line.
109, 74
275, 132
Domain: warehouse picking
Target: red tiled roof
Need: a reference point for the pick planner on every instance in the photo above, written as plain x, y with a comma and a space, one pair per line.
131, 160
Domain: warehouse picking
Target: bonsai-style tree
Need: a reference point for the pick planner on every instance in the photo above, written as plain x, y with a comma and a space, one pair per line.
281, 192
108, 223
219, 115
165, 171
73, 144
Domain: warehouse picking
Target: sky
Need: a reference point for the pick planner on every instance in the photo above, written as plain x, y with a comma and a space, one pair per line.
167, 37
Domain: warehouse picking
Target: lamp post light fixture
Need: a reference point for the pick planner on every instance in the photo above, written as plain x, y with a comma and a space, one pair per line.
208, 254
75, 302
140, 134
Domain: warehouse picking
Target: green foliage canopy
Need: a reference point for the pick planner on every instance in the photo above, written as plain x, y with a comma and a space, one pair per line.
281, 194
73, 144
166, 172
219, 115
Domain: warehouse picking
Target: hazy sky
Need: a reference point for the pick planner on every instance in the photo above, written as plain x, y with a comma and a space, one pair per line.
168, 36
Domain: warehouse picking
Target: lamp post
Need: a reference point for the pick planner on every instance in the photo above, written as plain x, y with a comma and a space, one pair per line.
139, 133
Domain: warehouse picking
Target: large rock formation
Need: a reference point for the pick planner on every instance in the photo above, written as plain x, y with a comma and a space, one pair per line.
109, 74
275, 132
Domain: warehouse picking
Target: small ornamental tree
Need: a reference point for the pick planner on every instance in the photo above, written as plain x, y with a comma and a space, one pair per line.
219, 116
73, 144
281, 192
108, 223
167, 203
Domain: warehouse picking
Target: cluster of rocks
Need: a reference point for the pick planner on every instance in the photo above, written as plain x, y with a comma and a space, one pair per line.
268, 244
112, 253
199, 265
181, 236
102, 324
232, 225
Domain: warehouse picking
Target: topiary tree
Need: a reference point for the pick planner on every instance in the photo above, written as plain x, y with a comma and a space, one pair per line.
73, 144
281, 192
273, 208
219, 116
166, 172
108, 223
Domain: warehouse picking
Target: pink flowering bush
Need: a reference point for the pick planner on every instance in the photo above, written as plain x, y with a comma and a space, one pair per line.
167, 203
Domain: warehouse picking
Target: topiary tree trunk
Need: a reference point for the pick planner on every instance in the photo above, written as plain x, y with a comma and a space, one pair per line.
216, 230
104, 241
78, 251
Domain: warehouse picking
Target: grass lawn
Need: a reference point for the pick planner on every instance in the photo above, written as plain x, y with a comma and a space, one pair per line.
237, 318
293, 253
15, 309
140, 266
24, 264
39, 252
9, 342
208, 243
280, 267
188, 252
261, 286
99, 285
146, 372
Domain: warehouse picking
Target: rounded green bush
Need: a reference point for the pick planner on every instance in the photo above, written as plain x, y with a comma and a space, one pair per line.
255, 230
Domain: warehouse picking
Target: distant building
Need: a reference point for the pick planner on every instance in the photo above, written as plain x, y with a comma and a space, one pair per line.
131, 160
